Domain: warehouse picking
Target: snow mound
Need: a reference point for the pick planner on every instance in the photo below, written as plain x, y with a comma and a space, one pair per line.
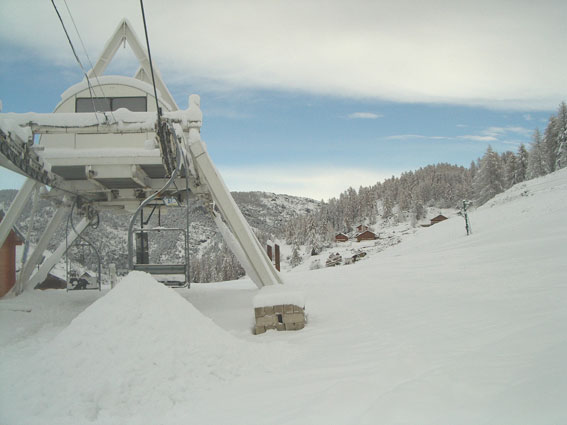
140, 348
278, 295
541, 186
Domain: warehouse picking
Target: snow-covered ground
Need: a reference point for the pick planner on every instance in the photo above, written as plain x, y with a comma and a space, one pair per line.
390, 231
440, 329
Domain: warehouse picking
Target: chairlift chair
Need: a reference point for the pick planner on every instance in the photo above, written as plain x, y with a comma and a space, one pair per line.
84, 281
163, 272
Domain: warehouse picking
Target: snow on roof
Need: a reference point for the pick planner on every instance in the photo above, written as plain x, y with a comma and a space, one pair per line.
107, 80
9, 123
100, 153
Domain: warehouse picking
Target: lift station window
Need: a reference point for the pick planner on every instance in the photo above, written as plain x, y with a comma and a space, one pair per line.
105, 104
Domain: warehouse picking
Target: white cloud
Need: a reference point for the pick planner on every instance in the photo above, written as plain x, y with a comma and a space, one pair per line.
410, 51
502, 131
478, 138
312, 182
364, 115
491, 134
415, 136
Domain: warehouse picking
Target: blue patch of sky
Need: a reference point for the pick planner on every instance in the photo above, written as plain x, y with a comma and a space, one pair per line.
304, 129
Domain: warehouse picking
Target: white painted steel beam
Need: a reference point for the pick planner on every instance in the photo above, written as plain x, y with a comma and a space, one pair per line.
6, 163
54, 258
36, 255
118, 122
124, 32
236, 249
264, 272
139, 176
16, 208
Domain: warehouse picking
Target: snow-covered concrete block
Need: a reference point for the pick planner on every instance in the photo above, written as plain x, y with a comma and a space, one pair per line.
280, 309
293, 318
294, 326
268, 320
288, 308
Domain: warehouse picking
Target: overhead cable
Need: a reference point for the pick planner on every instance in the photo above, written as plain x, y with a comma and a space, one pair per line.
76, 57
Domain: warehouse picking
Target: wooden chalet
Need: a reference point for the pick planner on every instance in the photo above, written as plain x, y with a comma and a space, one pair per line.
366, 236
8, 259
341, 237
362, 228
52, 282
438, 219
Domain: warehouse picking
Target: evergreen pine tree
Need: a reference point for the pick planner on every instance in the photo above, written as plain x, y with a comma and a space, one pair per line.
489, 180
561, 132
537, 165
522, 163
295, 257
549, 145
512, 170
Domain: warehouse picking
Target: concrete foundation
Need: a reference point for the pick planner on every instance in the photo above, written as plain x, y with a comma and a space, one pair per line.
284, 317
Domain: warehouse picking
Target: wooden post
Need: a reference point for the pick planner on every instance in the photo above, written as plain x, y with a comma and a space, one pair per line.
277, 257
270, 252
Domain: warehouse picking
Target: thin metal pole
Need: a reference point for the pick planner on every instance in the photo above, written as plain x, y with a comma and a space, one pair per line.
277, 257
467, 224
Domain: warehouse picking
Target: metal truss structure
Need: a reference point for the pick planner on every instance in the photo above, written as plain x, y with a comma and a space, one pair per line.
104, 148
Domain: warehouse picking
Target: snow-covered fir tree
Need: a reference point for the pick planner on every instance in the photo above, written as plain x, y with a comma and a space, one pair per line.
549, 145
489, 180
522, 163
295, 259
561, 135
537, 163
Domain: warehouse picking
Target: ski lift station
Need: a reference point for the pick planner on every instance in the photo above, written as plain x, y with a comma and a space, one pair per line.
120, 144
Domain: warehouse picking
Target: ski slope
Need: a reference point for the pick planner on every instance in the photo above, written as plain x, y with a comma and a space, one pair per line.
440, 329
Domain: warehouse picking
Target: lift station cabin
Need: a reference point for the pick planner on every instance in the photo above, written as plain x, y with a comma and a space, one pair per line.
105, 147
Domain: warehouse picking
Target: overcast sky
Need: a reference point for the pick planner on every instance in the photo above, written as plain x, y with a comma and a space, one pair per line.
310, 97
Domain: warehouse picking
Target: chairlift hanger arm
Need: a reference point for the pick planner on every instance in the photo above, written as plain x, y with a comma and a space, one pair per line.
149, 217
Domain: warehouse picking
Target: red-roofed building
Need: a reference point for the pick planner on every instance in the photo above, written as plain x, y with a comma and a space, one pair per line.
366, 236
438, 219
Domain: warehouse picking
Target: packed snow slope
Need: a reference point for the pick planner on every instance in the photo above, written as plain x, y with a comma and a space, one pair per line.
443, 328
